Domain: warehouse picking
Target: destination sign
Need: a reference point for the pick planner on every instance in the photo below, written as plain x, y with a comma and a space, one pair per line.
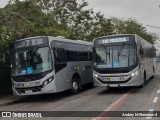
112, 40
30, 42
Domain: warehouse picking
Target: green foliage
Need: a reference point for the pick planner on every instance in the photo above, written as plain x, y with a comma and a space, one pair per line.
131, 26
26, 19
69, 18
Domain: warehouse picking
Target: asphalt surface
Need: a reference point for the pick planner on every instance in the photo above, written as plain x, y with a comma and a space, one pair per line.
93, 99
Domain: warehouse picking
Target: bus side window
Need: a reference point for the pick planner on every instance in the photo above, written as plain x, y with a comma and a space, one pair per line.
84, 56
59, 55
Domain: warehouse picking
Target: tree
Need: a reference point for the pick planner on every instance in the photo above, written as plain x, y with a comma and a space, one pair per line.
69, 18
21, 19
83, 23
131, 26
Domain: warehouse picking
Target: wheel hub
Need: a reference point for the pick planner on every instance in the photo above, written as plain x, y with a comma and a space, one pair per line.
75, 85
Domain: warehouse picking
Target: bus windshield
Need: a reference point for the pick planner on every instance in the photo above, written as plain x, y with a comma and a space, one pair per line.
31, 61
115, 56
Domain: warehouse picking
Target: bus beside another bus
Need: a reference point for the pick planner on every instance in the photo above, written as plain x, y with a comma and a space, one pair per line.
122, 60
46, 64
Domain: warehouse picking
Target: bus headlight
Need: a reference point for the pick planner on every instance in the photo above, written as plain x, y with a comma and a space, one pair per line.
46, 82
134, 74
95, 75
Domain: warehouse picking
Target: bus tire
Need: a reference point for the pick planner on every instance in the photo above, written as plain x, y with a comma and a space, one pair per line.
75, 85
144, 80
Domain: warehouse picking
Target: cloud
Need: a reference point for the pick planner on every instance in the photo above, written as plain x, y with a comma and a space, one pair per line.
145, 11
3, 3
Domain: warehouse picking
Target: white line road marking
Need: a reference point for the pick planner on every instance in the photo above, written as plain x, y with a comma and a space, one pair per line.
155, 99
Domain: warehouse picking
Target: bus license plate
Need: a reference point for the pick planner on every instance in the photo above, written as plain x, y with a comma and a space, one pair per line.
28, 91
113, 85
107, 79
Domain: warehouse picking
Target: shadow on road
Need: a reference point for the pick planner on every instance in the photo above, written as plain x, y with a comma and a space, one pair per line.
52, 97
112, 91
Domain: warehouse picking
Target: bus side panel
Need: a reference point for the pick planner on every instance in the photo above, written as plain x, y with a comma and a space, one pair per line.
63, 77
147, 60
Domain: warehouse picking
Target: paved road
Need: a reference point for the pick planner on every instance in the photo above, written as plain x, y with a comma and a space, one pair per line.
94, 99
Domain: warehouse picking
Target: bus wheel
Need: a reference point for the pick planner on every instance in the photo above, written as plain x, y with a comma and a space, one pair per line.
75, 86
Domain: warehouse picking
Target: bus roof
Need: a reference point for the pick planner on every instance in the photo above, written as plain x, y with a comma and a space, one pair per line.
58, 38
117, 35
69, 40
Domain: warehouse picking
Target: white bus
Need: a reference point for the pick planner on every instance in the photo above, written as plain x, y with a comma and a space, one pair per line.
122, 60
47, 64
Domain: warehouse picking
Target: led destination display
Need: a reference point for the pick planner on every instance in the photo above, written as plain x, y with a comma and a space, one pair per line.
113, 40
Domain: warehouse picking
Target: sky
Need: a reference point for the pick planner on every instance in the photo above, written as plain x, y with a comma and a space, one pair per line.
146, 12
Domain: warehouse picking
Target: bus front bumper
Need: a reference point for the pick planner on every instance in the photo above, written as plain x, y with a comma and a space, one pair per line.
41, 89
135, 81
